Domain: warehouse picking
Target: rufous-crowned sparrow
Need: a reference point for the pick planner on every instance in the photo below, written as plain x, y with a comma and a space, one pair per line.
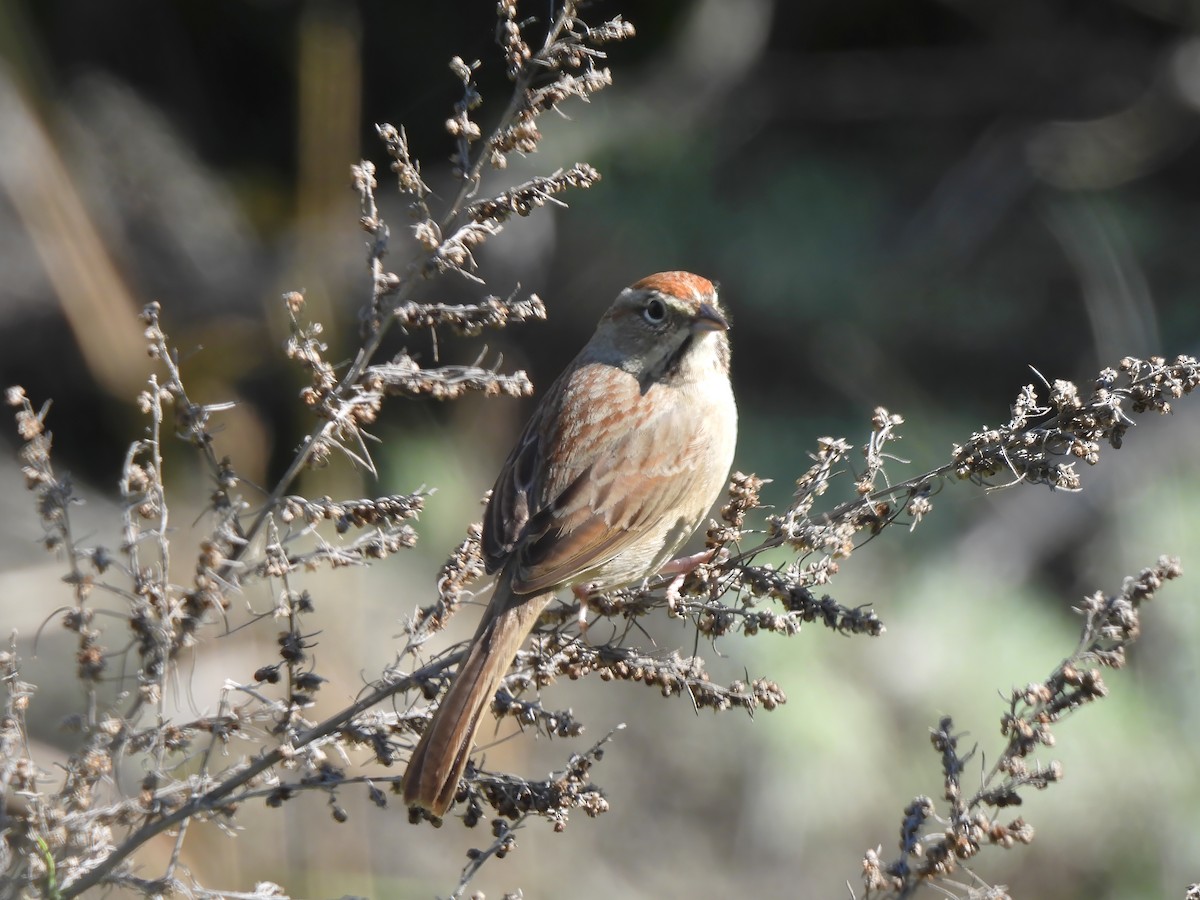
623, 457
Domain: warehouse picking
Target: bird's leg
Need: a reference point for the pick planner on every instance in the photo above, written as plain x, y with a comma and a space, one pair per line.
681, 567
582, 592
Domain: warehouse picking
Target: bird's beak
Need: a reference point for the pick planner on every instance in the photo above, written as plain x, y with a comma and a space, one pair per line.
709, 318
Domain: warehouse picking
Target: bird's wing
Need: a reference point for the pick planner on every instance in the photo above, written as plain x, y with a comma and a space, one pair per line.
578, 490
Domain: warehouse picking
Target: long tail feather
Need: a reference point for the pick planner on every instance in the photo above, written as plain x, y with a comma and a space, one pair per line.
440, 757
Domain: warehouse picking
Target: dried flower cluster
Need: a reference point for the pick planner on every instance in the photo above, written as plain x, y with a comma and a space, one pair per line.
403, 377
469, 320
1040, 434
531, 195
354, 513
462, 568
671, 673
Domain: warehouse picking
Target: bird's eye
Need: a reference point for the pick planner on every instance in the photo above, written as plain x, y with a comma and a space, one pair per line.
655, 312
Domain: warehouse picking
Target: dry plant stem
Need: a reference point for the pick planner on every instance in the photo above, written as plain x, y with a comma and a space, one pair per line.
1026, 448
164, 617
55, 496
163, 562
674, 675
279, 564
505, 834
1110, 624
143, 490
214, 797
165, 621
201, 778
150, 580
14, 734
401, 294
523, 82
524, 798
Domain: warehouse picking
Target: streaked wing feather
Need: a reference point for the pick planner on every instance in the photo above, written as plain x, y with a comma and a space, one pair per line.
597, 502
518, 487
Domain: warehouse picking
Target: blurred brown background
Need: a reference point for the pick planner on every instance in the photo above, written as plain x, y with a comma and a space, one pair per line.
906, 204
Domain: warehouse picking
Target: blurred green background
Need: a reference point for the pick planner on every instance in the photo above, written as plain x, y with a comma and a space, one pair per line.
906, 204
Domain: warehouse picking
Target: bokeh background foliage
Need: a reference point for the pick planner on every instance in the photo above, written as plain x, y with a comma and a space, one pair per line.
907, 205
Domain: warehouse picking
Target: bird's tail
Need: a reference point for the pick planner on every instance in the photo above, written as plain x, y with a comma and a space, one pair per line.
437, 763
